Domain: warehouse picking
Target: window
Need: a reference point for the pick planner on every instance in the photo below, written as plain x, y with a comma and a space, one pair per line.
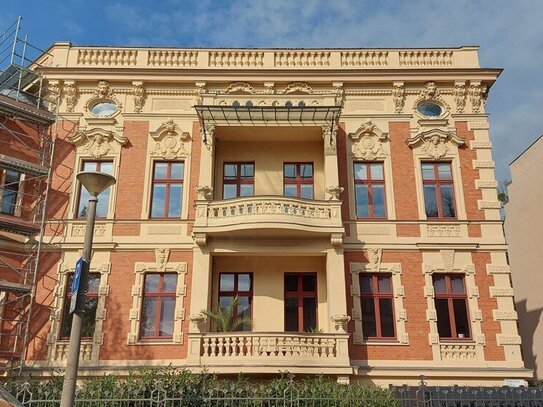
103, 198
376, 301
167, 190
298, 180
300, 302
238, 180
239, 285
9, 190
104, 109
89, 316
369, 185
158, 306
451, 304
430, 109
438, 190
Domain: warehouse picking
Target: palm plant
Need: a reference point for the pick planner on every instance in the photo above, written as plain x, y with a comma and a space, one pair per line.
226, 319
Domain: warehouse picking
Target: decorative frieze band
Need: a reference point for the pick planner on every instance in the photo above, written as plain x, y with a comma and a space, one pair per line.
509, 339
444, 231
501, 292
489, 204
482, 125
480, 164
497, 269
504, 315
480, 145
485, 184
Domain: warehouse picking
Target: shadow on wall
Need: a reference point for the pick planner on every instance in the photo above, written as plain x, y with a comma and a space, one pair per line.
528, 323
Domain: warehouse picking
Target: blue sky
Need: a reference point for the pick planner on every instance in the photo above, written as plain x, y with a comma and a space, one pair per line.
510, 34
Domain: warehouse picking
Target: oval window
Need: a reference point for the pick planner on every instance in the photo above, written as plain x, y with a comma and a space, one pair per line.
104, 109
430, 109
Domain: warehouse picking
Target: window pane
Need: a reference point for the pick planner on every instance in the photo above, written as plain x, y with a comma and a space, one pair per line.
227, 282
384, 284
366, 283
430, 201
291, 314
444, 171
225, 301
290, 171
447, 201
378, 200
170, 283
306, 170
89, 318
443, 320
106, 167
376, 171
103, 204
387, 319
246, 190
159, 198
161, 170
244, 311
310, 313
461, 318
167, 316
360, 171
369, 327
291, 282
148, 314
244, 282
151, 283
457, 284
428, 171
290, 190
94, 283
362, 201
440, 286
90, 166
177, 170
229, 191
309, 282
83, 202
247, 171
230, 171
9, 199
176, 193
306, 191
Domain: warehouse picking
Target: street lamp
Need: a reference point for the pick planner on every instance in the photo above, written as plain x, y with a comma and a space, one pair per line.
95, 183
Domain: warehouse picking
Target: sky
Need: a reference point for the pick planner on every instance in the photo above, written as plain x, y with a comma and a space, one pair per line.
509, 33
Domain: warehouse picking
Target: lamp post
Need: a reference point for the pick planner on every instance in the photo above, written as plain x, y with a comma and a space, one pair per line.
95, 183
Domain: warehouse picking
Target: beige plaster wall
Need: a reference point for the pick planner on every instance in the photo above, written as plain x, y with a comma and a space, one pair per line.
268, 285
524, 228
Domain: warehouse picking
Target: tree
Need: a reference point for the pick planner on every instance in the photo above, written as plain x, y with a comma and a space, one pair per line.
226, 318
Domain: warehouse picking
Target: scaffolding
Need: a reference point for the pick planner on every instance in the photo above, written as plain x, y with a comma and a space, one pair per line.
28, 109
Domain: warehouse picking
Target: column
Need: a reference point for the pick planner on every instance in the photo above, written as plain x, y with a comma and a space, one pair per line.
335, 291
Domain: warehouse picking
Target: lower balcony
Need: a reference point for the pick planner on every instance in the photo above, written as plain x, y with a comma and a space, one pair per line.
262, 352
271, 215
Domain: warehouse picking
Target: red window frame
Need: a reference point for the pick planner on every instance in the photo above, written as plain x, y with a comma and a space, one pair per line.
159, 295
437, 182
370, 182
376, 296
168, 181
98, 169
301, 294
450, 296
68, 299
238, 181
299, 181
12, 187
237, 292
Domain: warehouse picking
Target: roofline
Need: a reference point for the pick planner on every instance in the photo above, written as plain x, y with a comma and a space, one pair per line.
526, 149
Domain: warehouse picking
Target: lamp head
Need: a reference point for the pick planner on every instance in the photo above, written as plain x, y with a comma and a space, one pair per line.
95, 182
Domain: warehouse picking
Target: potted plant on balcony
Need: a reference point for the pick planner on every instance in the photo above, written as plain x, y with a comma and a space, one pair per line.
226, 318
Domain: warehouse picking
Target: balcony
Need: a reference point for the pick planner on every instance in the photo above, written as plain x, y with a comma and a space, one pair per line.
270, 215
270, 352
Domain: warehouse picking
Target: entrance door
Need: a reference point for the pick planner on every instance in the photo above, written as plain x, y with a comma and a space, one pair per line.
300, 302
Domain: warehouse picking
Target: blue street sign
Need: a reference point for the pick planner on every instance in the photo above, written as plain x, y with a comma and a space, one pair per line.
75, 283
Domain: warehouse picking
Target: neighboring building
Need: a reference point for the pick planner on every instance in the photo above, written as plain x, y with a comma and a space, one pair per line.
346, 196
523, 229
25, 154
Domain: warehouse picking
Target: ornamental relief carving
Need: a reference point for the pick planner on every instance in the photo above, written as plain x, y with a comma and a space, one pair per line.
70, 95
170, 141
367, 142
237, 87
298, 87
398, 96
477, 96
97, 142
430, 93
104, 92
435, 143
138, 92
459, 93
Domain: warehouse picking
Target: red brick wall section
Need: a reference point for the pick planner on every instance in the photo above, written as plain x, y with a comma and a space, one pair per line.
119, 301
474, 230
132, 171
403, 174
415, 305
469, 175
486, 303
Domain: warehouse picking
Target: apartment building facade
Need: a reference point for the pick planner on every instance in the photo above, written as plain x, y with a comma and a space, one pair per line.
345, 197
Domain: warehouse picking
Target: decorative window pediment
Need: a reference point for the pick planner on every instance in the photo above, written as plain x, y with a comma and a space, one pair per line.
430, 94
367, 142
298, 87
97, 142
170, 141
435, 143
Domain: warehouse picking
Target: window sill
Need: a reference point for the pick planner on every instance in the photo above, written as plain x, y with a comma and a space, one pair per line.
456, 341
380, 342
168, 341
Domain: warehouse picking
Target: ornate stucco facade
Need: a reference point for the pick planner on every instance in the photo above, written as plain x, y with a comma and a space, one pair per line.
330, 108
